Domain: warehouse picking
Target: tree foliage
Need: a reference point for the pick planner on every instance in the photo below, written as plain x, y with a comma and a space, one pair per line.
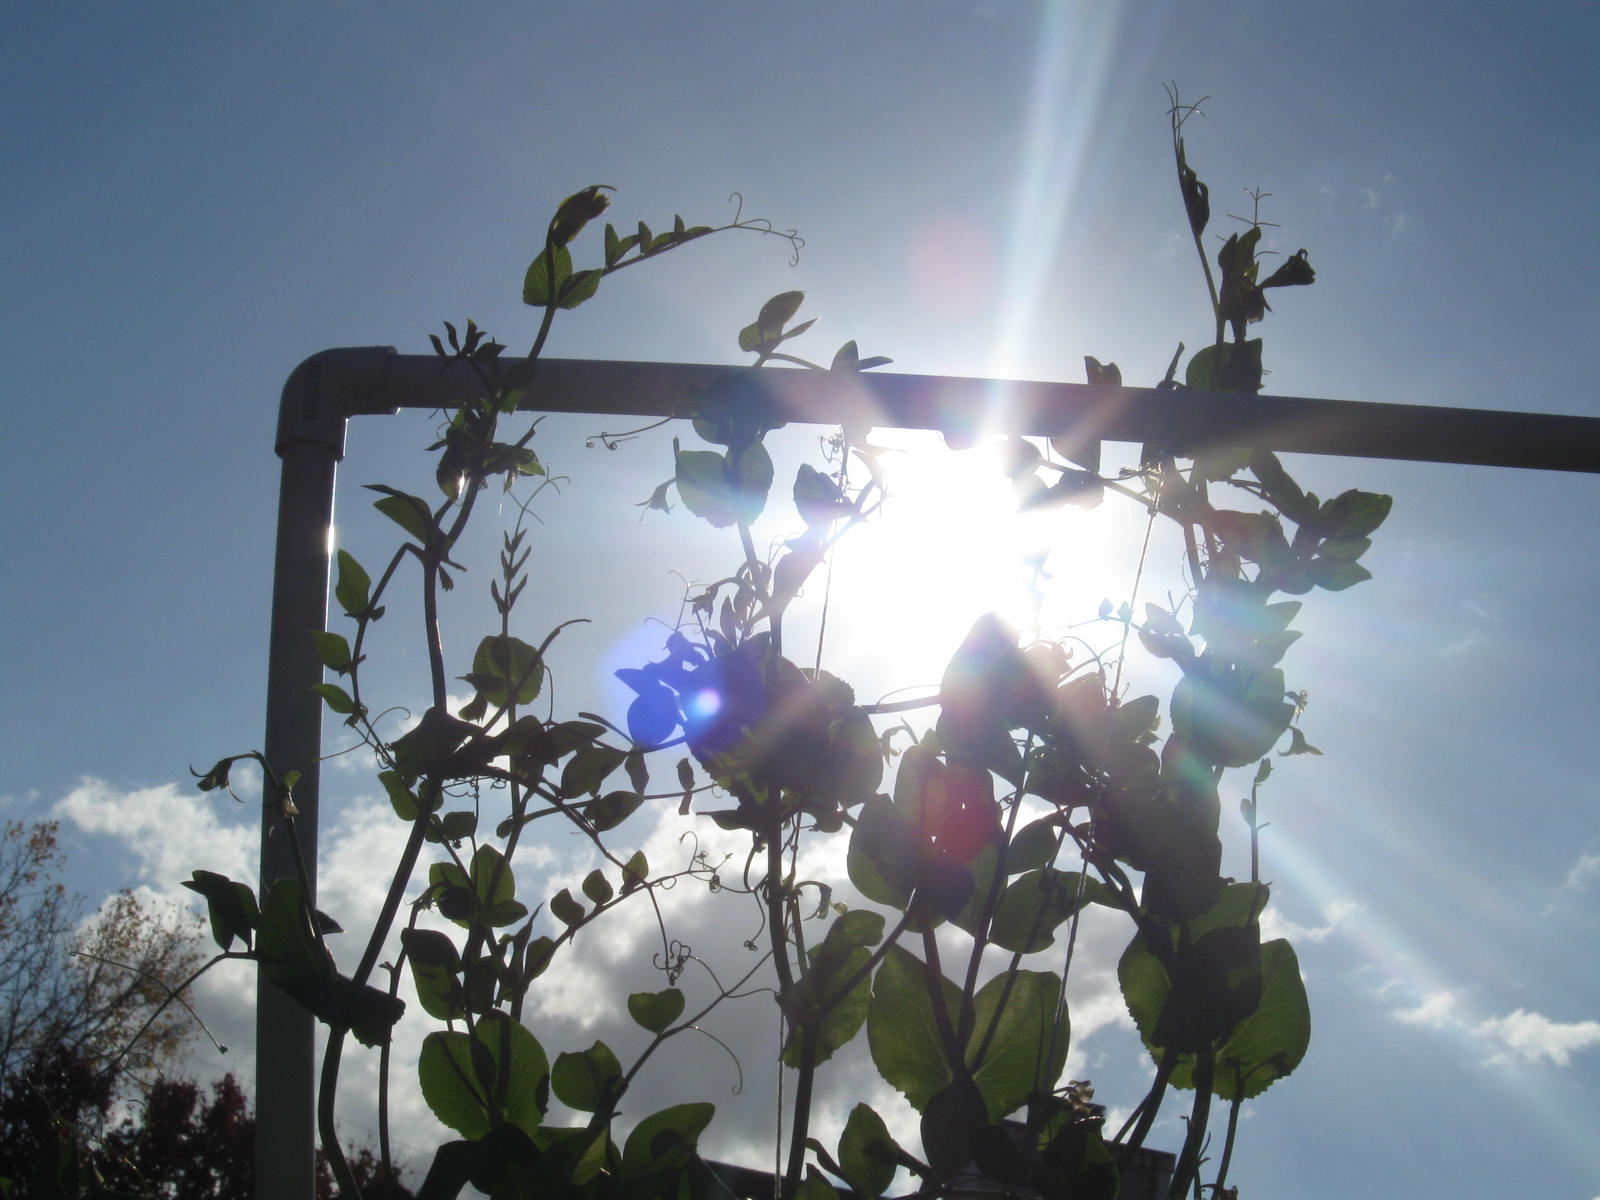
978, 823
105, 987
61, 1138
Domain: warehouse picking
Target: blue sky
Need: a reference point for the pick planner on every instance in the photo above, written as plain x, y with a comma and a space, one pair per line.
199, 196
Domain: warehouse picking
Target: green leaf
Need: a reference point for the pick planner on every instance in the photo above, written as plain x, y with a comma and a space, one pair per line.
1034, 904
655, 1010
566, 909
612, 809
902, 1031
587, 1080
335, 697
635, 872
815, 1186
597, 887
1201, 372
1232, 718
407, 511
452, 892
1215, 987
580, 286
1270, 1043
293, 959
840, 1020
401, 798
231, 906
332, 649
867, 1153
665, 1141
884, 858
492, 881
539, 954
767, 329
1336, 574
506, 669
1101, 374
1353, 514
473, 1082
949, 1121
354, 586
817, 497
454, 826
702, 480
1297, 745
818, 1003
753, 475
724, 490
434, 964
1027, 1051
588, 769
1145, 989
1348, 548
780, 310
545, 275
1217, 463
616, 246
574, 1156
1034, 846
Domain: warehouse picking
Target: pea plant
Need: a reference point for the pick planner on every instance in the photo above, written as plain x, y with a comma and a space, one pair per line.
978, 824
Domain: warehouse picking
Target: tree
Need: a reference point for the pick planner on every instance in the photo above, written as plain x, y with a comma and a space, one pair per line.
177, 1141
89, 1009
107, 988
1032, 786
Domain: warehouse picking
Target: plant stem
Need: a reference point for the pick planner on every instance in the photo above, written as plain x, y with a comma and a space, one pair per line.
327, 1091
1188, 1167
802, 1111
1149, 1106
1227, 1146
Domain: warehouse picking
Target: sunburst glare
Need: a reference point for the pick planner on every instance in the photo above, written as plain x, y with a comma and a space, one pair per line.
949, 545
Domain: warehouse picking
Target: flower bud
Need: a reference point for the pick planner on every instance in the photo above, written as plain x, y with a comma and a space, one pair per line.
576, 211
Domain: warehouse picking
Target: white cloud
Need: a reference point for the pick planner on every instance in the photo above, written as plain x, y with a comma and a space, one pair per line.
1518, 1037
1584, 872
1436, 1011
1275, 925
169, 830
1533, 1038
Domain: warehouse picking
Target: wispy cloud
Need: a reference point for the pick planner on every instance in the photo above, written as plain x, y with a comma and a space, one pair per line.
169, 830
1275, 925
1375, 203
1436, 1011
1521, 1036
1584, 872
1533, 1038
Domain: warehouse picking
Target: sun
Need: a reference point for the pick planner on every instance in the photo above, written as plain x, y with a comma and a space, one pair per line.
947, 546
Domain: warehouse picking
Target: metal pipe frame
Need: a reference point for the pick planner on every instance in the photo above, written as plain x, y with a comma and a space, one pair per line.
328, 388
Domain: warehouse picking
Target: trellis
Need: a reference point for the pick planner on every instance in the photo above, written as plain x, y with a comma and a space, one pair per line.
329, 388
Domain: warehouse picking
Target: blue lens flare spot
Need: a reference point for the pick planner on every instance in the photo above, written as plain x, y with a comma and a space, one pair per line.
703, 705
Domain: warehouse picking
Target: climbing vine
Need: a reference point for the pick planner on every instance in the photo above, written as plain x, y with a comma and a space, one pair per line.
979, 824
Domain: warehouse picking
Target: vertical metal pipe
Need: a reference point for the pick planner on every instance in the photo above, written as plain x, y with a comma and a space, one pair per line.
310, 443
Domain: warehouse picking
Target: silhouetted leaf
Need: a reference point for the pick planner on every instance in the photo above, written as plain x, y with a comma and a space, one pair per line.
867, 1153
655, 1011
586, 1080
452, 1071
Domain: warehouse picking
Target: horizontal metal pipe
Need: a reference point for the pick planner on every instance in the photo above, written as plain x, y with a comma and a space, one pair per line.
1178, 419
